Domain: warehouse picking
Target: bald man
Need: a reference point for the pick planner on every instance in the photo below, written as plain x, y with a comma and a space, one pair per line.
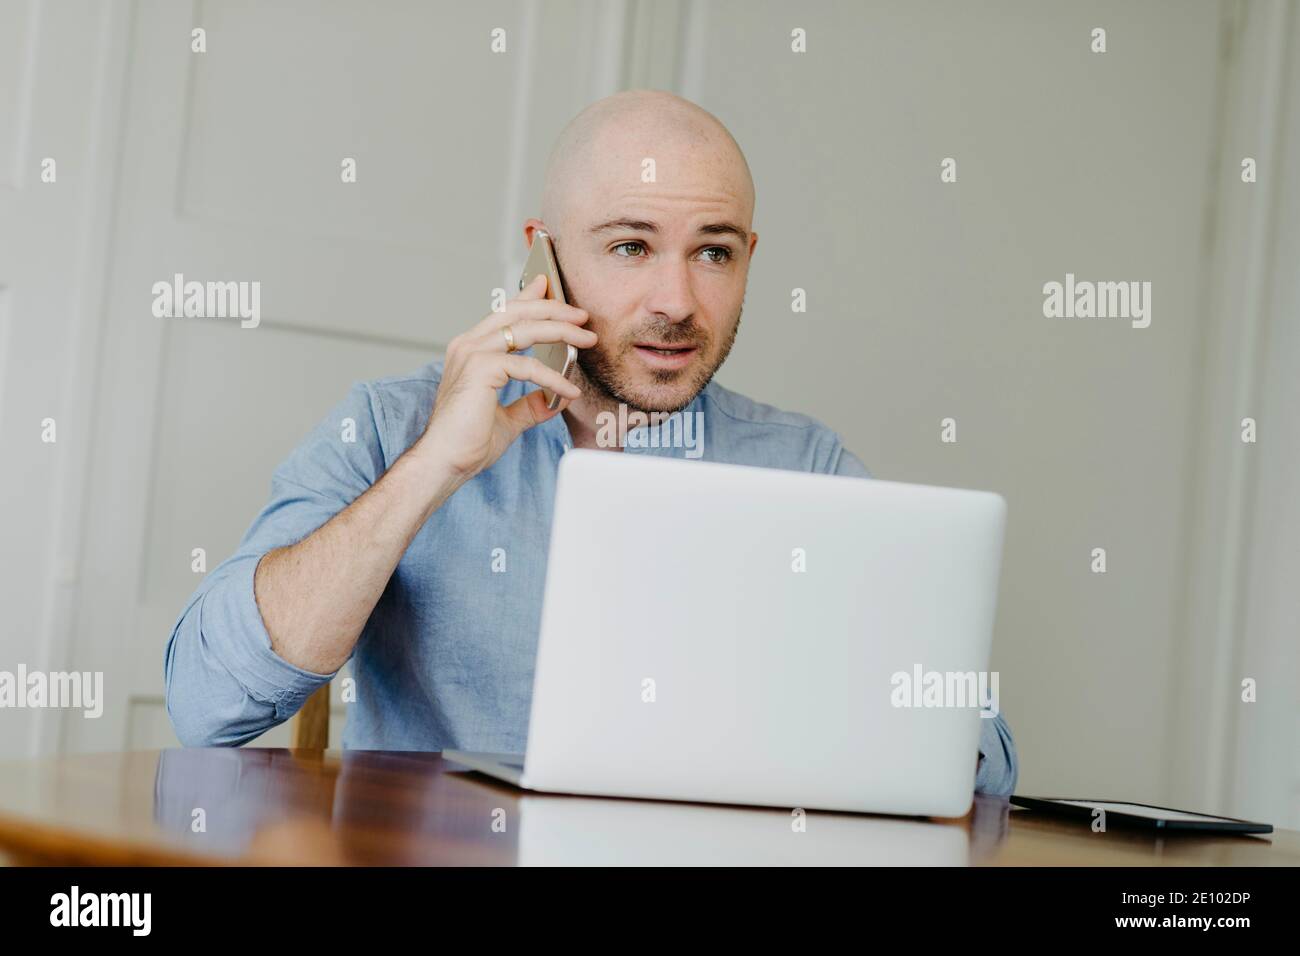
385, 549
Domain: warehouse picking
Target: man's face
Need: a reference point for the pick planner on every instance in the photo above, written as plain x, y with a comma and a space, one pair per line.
662, 273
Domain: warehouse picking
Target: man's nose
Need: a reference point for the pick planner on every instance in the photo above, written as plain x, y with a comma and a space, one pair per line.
672, 293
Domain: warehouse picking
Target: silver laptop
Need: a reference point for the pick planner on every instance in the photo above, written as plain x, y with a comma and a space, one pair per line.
730, 634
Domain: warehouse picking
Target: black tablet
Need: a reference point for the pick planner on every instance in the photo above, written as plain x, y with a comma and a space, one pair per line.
1139, 815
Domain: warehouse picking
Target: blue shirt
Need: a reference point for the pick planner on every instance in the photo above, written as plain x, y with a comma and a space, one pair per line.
446, 657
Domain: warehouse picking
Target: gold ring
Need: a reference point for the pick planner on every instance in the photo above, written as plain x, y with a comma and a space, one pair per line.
510, 339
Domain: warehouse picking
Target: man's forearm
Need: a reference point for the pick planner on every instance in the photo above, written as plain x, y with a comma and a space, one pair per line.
315, 596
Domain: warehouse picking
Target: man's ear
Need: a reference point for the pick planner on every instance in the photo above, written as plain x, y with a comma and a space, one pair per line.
530, 227
753, 243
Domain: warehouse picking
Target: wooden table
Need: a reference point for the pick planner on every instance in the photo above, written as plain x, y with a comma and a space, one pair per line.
275, 806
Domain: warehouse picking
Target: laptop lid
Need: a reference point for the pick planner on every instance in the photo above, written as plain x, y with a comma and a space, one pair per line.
750, 635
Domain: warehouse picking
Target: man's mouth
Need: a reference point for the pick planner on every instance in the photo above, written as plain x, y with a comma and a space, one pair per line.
660, 355
665, 349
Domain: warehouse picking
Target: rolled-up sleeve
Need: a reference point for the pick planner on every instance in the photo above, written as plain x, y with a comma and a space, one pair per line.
997, 769
224, 684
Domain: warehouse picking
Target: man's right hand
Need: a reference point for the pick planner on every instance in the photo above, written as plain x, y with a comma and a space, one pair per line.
316, 595
470, 428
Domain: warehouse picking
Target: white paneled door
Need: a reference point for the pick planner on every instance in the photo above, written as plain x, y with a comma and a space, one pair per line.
231, 169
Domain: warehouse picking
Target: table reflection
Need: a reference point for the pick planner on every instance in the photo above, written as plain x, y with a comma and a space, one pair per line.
393, 808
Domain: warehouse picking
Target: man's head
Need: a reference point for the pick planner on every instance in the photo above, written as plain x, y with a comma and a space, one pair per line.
650, 204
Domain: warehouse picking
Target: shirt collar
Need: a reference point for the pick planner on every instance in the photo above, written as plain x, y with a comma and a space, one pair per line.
557, 428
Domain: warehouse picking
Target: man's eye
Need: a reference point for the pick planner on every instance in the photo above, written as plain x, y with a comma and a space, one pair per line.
624, 245
724, 254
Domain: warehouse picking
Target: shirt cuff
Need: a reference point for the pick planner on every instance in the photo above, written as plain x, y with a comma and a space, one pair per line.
232, 627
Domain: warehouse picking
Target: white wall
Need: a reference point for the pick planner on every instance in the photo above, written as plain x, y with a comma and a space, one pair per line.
924, 302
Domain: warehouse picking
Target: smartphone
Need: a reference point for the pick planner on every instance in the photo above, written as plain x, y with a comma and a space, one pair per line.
560, 356
1140, 815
